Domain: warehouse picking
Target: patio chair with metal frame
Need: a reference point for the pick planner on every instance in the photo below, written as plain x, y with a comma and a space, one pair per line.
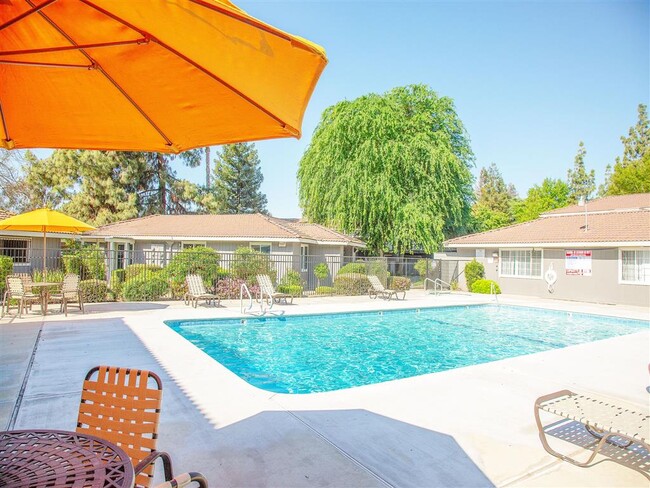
185, 479
70, 293
267, 288
377, 289
122, 405
15, 290
196, 291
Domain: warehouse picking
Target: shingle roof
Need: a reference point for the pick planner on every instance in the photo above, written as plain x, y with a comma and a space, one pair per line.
239, 226
606, 225
614, 203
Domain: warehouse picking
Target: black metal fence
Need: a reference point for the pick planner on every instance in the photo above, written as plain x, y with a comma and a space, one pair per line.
117, 268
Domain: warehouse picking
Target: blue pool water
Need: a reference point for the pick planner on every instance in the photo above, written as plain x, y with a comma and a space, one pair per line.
315, 353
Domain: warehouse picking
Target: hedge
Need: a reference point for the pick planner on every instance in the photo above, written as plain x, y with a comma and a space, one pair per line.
483, 286
324, 290
351, 284
145, 288
293, 290
400, 283
6, 268
229, 288
93, 290
473, 271
135, 270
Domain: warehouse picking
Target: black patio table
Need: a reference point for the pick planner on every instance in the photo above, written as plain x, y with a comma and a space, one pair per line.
56, 458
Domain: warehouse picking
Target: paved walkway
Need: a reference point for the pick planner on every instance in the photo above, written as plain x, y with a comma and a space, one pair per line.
471, 426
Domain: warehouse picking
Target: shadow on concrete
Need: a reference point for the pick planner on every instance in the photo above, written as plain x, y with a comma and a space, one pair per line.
272, 448
635, 456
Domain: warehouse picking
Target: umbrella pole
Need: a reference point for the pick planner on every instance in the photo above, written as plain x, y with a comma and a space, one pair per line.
44, 255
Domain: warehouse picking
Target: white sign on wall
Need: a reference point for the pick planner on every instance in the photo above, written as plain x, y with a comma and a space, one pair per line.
577, 263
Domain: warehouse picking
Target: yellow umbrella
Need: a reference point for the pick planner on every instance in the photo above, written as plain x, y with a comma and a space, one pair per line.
148, 75
44, 220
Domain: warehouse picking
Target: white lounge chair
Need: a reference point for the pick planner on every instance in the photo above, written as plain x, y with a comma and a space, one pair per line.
377, 289
267, 289
196, 291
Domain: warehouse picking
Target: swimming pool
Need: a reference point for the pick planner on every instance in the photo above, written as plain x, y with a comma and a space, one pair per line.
316, 353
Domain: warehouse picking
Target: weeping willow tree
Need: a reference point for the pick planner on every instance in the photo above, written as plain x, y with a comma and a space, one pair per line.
393, 169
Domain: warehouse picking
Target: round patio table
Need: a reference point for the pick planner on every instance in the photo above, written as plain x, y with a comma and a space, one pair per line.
44, 290
56, 458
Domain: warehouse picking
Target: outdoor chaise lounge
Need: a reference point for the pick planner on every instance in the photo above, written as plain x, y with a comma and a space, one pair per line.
615, 424
377, 289
196, 291
267, 290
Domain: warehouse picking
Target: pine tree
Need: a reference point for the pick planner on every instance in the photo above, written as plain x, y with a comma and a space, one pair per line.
494, 200
581, 183
237, 180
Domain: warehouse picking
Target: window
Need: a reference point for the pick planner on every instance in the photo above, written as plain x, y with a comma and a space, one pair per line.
155, 254
124, 255
263, 247
635, 266
192, 245
304, 252
16, 249
521, 263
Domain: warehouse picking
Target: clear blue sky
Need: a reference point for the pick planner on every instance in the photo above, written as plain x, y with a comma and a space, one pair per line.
530, 79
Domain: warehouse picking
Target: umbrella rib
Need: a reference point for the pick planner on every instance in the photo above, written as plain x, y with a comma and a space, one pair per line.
7, 143
27, 13
75, 47
292, 130
97, 66
46, 65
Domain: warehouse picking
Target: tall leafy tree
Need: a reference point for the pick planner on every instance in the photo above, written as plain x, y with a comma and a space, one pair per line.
631, 172
551, 194
581, 183
14, 194
237, 180
494, 200
393, 169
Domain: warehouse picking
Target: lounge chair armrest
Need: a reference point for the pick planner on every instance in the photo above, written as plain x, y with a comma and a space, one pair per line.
551, 396
185, 479
151, 458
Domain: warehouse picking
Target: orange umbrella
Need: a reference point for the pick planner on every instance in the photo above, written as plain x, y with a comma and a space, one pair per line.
148, 75
44, 220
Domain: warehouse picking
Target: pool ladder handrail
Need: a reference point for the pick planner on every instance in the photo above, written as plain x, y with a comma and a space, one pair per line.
243, 288
493, 292
437, 285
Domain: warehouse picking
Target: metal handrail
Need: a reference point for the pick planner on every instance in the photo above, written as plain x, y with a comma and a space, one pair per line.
425, 283
493, 291
243, 288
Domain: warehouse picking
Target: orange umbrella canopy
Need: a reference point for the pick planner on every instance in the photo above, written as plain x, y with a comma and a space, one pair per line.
148, 75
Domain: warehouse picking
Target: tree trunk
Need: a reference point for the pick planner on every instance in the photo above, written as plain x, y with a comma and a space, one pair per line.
207, 167
162, 182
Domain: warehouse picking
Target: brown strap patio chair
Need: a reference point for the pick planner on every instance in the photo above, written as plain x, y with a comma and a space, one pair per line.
122, 405
185, 479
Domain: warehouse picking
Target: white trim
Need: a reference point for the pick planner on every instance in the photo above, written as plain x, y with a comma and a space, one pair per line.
525, 277
620, 266
304, 257
551, 245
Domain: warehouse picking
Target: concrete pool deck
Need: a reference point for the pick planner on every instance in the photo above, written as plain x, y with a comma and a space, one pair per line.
471, 426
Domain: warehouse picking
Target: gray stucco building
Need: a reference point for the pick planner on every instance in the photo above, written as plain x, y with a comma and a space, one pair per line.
599, 252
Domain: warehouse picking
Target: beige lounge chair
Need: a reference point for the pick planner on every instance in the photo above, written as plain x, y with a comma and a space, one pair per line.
267, 289
15, 290
377, 289
616, 424
70, 293
196, 291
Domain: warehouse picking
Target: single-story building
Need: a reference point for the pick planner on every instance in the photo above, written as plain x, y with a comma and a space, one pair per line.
598, 252
26, 248
291, 243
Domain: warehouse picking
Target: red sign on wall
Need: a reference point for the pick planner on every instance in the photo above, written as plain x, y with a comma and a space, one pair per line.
577, 262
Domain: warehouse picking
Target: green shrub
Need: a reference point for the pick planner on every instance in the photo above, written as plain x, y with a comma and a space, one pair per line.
291, 278
248, 263
293, 290
6, 268
324, 290
87, 261
229, 288
72, 263
135, 270
473, 271
203, 261
117, 281
53, 276
483, 286
93, 290
353, 268
351, 284
422, 267
145, 288
321, 272
454, 285
400, 283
